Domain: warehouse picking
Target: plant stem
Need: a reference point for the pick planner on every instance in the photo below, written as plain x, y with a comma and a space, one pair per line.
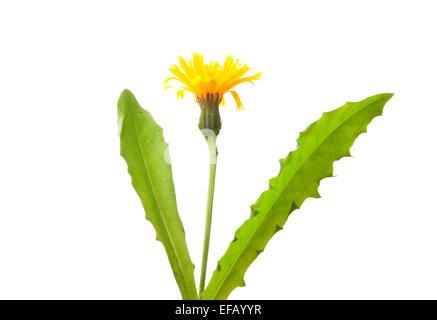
211, 140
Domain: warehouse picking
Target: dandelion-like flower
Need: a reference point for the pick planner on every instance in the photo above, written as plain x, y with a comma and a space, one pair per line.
209, 83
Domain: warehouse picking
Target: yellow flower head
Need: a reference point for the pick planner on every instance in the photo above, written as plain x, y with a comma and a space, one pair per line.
209, 82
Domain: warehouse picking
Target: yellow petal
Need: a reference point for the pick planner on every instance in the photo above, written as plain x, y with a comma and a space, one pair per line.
170, 78
237, 100
222, 103
180, 94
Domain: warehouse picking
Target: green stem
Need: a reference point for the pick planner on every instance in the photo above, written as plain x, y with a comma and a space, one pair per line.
212, 169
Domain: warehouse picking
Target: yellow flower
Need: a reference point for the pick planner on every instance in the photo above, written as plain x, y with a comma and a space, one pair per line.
209, 82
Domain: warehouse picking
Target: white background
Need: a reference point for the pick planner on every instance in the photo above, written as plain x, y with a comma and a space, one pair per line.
71, 225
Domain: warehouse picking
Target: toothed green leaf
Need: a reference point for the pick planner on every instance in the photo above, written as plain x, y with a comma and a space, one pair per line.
143, 147
322, 143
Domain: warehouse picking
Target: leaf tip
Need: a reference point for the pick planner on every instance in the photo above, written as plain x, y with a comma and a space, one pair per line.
316, 195
384, 96
258, 252
389, 94
253, 212
294, 206
278, 228
126, 93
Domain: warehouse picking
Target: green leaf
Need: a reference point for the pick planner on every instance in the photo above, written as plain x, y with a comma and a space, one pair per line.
143, 147
322, 143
